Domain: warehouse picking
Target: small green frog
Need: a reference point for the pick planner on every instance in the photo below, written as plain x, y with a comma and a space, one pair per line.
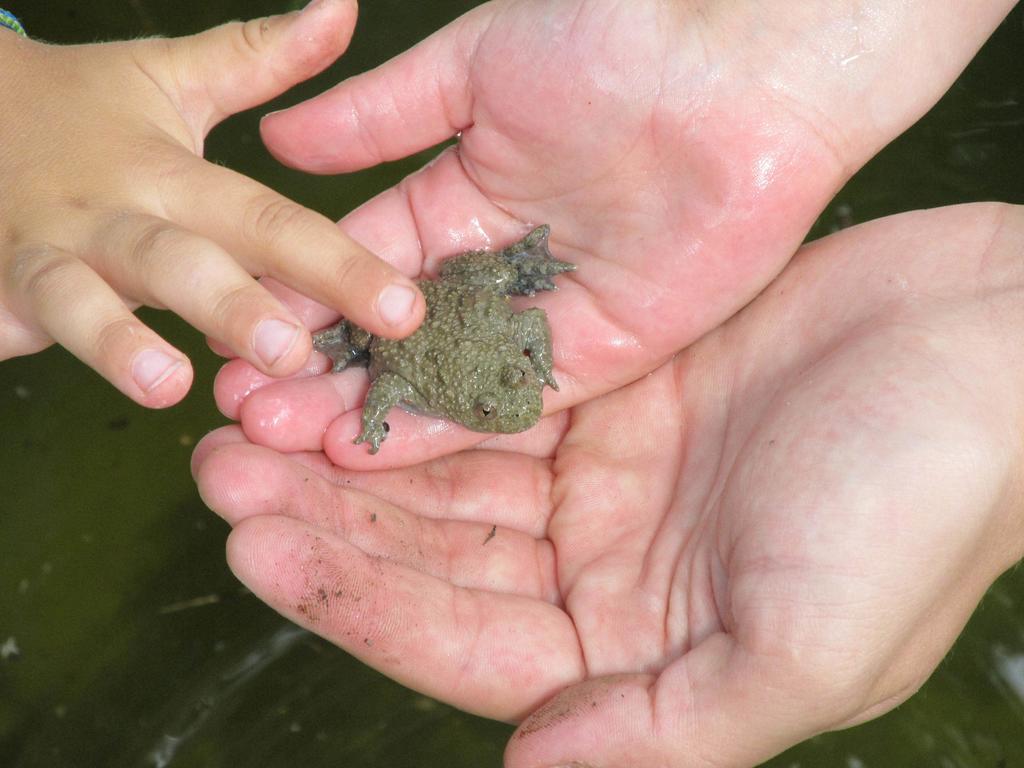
473, 360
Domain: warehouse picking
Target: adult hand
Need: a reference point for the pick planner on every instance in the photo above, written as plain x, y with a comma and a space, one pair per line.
680, 152
779, 532
107, 204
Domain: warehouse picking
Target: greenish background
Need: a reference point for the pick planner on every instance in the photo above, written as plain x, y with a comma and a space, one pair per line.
124, 639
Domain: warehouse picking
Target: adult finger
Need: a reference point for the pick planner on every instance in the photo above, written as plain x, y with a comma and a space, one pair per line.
480, 487
67, 300
488, 487
230, 434
413, 438
324, 413
491, 653
292, 415
412, 102
245, 481
237, 379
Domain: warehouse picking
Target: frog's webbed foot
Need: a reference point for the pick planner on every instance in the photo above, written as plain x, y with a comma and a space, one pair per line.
386, 391
345, 344
534, 264
532, 331
523, 268
373, 434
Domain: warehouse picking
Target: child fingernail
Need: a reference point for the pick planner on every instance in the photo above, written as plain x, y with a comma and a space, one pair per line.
152, 367
275, 339
396, 303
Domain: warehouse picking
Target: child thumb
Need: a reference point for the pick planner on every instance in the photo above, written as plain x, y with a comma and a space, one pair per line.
242, 64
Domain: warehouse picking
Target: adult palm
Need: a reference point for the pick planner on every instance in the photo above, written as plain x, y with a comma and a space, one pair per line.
679, 157
778, 532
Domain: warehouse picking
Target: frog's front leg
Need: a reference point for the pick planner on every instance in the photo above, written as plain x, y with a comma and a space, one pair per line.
345, 344
531, 330
386, 391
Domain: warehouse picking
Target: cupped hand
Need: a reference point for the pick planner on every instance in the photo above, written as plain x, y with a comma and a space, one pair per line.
679, 151
779, 532
107, 204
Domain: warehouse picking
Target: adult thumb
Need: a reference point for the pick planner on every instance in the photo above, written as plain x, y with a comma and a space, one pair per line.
242, 64
714, 706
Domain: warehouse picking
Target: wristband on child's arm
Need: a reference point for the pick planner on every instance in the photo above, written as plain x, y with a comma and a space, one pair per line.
9, 20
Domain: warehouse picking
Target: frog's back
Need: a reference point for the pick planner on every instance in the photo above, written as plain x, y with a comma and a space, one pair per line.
457, 310
472, 360
458, 316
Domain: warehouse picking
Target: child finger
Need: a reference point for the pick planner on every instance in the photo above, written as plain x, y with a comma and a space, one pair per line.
271, 235
162, 264
66, 299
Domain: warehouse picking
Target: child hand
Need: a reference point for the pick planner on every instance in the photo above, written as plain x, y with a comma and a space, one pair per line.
108, 205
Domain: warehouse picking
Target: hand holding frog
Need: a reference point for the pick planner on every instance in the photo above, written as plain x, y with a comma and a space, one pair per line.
781, 531
107, 204
679, 151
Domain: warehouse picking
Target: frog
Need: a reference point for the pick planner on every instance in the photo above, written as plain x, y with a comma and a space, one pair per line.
474, 360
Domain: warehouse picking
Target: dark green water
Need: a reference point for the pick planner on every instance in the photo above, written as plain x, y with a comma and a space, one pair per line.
136, 646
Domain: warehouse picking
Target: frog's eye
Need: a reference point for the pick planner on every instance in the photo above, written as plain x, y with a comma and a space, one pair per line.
486, 409
513, 376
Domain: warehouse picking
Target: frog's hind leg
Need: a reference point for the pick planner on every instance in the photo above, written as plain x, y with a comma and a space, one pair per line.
386, 391
532, 332
345, 344
535, 266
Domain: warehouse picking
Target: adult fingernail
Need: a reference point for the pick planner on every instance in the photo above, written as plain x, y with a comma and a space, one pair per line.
275, 339
151, 368
396, 303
